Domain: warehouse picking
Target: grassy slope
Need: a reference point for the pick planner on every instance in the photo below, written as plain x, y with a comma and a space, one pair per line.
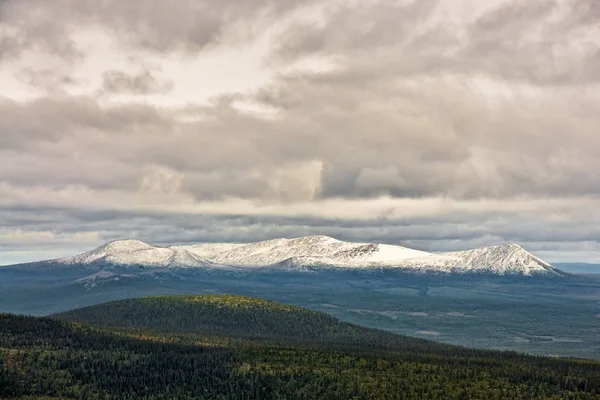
211, 346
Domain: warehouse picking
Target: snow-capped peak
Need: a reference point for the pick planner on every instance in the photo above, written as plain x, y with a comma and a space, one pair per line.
507, 258
125, 245
313, 252
500, 259
135, 252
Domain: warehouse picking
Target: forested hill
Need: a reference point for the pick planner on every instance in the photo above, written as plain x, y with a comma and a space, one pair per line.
222, 347
222, 314
235, 316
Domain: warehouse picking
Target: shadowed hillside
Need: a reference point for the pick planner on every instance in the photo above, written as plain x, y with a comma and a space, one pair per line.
233, 347
235, 316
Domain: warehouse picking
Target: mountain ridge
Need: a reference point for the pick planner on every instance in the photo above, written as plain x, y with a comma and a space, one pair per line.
311, 253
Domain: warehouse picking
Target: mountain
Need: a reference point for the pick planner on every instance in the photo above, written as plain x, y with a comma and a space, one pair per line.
313, 253
502, 260
240, 316
270, 252
137, 253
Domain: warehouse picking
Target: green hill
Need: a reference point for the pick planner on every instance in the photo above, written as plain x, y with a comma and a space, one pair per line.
236, 316
221, 314
232, 347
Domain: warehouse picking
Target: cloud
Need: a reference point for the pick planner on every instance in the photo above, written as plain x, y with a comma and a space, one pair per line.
183, 26
144, 82
426, 123
160, 179
18, 235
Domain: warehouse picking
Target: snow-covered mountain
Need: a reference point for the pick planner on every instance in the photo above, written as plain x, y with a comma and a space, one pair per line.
312, 253
502, 259
270, 252
135, 252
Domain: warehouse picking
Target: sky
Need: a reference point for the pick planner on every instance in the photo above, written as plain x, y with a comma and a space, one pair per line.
438, 125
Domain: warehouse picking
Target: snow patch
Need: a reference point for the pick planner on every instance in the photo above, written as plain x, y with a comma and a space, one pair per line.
101, 277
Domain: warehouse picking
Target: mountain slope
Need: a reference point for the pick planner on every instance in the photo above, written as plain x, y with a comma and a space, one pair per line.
135, 252
207, 250
230, 315
102, 277
49, 358
273, 251
502, 260
312, 253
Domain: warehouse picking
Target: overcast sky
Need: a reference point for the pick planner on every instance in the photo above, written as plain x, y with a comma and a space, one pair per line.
439, 125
